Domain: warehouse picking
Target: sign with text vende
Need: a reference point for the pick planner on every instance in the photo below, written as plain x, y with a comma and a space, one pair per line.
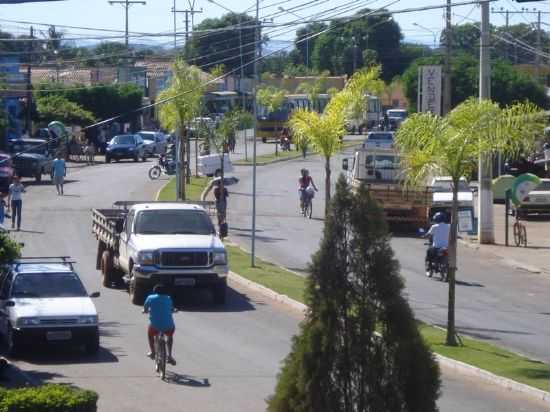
431, 89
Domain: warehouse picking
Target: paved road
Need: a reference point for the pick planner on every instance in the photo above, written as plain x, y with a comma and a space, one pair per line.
494, 302
227, 359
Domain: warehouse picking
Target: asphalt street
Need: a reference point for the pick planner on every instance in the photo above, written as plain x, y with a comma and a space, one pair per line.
228, 358
494, 302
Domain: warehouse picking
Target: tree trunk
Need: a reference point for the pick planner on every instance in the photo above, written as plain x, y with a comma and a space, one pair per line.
451, 329
327, 183
188, 156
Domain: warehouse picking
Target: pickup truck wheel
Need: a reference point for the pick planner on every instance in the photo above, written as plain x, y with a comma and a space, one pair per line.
219, 292
38, 176
136, 158
107, 159
110, 274
92, 346
12, 345
137, 292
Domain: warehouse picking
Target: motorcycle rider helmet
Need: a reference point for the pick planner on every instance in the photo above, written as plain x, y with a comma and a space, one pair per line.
439, 217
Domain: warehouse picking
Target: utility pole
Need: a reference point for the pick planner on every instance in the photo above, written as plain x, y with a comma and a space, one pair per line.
448, 45
188, 12
175, 28
126, 4
539, 45
486, 233
28, 120
254, 88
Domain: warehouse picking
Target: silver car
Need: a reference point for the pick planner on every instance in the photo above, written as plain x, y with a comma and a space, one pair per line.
155, 142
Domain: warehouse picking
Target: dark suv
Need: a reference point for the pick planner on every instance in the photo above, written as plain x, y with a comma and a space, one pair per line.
31, 158
125, 146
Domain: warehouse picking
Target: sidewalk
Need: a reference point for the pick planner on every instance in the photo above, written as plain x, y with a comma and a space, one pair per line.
533, 258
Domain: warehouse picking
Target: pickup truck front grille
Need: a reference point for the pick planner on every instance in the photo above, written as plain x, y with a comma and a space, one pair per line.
184, 259
53, 322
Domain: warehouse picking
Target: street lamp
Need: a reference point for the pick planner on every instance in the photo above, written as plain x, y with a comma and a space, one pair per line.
307, 34
434, 33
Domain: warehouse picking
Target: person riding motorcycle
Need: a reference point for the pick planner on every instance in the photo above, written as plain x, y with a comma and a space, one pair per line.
304, 182
439, 234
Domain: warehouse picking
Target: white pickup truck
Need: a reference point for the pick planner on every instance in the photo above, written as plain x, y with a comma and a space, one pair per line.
172, 243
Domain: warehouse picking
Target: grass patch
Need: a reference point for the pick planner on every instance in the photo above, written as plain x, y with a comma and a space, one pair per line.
266, 274
490, 358
193, 190
474, 352
266, 159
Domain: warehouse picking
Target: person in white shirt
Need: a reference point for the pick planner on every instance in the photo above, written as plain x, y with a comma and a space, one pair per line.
439, 233
15, 200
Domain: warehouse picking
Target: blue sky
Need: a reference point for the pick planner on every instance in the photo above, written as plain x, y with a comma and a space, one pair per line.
155, 16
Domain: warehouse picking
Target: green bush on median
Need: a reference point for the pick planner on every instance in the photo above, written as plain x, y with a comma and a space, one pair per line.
48, 398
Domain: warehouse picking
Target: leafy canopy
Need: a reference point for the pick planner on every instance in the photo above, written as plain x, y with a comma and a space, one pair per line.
184, 94
451, 146
270, 97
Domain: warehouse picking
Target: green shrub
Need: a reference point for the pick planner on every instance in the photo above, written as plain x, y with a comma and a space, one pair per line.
48, 398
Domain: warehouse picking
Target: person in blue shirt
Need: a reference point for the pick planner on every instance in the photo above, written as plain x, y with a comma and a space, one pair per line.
59, 171
160, 308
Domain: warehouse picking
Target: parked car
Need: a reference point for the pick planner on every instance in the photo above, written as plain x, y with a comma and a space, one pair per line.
42, 300
31, 157
125, 146
210, 165
383, 140
538, 200
6, 172
155, 142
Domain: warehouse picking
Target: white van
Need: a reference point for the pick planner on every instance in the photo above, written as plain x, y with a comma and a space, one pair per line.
210, 165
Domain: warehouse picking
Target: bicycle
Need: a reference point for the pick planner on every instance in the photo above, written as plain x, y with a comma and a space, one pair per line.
520, 233
160, 354
307, 206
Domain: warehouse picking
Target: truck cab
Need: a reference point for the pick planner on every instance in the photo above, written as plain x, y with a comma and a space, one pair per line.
374, 165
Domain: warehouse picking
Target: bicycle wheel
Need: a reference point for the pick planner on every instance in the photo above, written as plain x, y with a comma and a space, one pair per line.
162, 357
310, 209
517, 234
157, 354
524, 235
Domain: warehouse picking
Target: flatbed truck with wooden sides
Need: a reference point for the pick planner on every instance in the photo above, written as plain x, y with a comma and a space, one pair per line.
172, 243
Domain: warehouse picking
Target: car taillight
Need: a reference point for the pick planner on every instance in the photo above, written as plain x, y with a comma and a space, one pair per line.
444, 252
526, 199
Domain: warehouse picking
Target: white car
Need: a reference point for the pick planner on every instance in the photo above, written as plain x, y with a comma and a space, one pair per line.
443, 192
42, 300
211, 165
538, 200
154, 142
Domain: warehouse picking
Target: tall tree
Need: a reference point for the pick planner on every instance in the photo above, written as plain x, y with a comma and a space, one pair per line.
451, 146
182, 102
219, 46
508, 83
358, 348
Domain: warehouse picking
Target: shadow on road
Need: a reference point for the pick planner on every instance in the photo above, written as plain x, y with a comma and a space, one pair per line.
239, 229
267, 239
483, 333
197, 300
469, 284
65, 355
187, 380
48, 182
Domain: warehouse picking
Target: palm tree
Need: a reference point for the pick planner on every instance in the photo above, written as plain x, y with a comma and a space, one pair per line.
326, 130
431, 145
182, 101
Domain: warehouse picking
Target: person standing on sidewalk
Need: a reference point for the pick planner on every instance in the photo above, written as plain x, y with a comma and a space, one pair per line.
15, 199
59, 172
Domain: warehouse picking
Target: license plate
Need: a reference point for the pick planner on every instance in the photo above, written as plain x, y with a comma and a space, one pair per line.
59, 335
184, 282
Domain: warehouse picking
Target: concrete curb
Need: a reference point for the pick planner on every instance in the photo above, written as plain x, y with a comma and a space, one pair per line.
458, 366
506, 261
506, 383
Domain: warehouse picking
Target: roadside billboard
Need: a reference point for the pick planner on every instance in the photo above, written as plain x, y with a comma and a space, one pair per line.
429, 89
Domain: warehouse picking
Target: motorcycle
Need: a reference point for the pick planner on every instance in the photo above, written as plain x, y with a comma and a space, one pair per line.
285, 144
438, 263
163, 167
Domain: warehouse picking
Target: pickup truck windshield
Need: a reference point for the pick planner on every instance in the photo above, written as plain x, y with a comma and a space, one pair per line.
48, 285
173, 222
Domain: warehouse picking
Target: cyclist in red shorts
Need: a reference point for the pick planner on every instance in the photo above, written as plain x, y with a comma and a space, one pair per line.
160, 308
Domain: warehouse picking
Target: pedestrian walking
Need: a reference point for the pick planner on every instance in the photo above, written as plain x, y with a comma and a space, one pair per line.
15, 200
3, 205
59, 170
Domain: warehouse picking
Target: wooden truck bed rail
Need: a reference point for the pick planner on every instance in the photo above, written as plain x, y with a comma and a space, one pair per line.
107, 225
